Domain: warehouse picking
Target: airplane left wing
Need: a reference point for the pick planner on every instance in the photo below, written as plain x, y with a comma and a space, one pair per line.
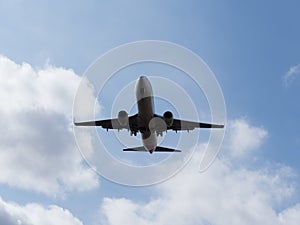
189, 125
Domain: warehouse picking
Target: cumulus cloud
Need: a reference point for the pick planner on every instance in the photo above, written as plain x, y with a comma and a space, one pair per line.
290, 75
37, 146
223, 194
35, 214
244, 138
290, 215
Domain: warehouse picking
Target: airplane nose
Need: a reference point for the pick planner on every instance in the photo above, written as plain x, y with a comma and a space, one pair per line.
143, 88
143, 81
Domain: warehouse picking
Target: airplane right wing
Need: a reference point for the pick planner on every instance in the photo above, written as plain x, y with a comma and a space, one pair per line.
111, 123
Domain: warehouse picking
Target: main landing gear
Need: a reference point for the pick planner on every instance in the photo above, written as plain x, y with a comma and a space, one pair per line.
133, 132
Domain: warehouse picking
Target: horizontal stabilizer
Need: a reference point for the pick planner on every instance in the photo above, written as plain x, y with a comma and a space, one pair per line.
157, 149
164, 149
135, 149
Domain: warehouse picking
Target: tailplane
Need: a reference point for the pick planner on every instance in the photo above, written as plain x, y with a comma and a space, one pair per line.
157, 149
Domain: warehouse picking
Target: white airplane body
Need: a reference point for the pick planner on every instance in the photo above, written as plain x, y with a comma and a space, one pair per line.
149, 124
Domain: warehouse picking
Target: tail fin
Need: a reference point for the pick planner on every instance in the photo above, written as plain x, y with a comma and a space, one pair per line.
157, 149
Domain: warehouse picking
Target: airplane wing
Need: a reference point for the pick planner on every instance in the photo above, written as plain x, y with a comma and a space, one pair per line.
111, 123
189, 125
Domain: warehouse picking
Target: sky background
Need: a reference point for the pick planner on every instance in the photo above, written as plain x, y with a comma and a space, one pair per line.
252, 48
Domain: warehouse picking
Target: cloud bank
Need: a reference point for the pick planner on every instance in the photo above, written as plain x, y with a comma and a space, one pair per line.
37, 146
224, 194
35, 214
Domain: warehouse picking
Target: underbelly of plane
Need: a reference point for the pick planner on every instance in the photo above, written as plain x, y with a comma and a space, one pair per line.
149, 140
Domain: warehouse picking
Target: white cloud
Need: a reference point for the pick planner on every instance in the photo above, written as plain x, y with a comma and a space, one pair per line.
290, 75
35, 214
290, 215
221, 195
37, 146
124, 211
244, 138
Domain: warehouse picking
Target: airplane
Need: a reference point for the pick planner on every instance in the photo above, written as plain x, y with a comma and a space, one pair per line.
149, 124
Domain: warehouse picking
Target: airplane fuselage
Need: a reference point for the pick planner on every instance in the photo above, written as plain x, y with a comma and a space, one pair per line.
145, 103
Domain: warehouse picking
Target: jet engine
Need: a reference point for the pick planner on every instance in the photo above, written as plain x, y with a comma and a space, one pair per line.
168, 117
123, 118
157, 125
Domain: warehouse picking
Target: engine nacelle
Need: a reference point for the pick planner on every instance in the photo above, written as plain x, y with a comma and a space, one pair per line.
168, 117
158, 125
123, 118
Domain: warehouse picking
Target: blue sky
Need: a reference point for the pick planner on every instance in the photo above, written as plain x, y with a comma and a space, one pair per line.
252, 48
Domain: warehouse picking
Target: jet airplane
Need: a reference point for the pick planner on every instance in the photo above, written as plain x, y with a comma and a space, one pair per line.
149, 124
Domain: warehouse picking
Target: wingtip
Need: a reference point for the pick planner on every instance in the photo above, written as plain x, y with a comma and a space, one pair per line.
74, 122
218, 126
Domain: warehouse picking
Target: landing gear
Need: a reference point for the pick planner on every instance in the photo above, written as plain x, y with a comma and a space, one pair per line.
159, 134
133, 132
